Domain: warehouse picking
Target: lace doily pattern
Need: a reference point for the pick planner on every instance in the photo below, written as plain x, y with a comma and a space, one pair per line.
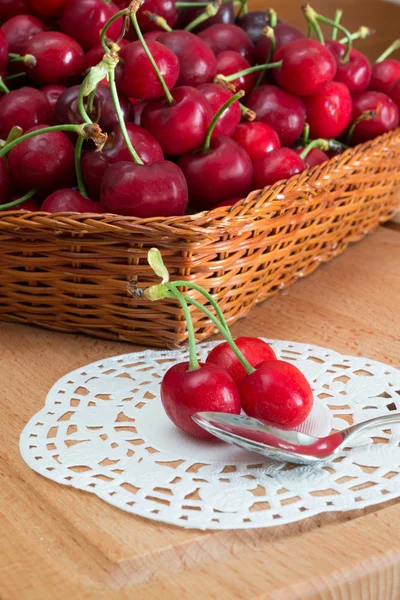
103, 430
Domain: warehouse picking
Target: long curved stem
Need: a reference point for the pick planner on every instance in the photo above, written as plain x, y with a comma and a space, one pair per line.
327, 21
27, 136
78, 167
193, 362
338, 16
210, 11
118, 15
18, 200
388, 51
255, 69
321, 143
213, 302
207, 140
81, 106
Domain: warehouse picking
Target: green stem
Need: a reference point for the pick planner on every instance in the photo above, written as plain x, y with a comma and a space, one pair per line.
268, 32
81, 105
210, 11
255, 69
193, 362
338, 16
164, 86
388, 51
273, 18
310, 30
206, 294
243, 8
306, 133
346, 55
3, 86
207, 140
13, 55
119, 14
18, 200
365, 116
15, 76
27, 136
361, 34
311, 17
321, 143
157, 20
78, 167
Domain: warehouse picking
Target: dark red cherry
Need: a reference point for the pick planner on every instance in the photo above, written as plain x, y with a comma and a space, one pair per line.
307, 66
84, 19
356, 72
229, 202
45, 161
280, 110
52, 93
223, 172
230, 62
253, 23
152, 36
225, 14
48, 8
197, 63
30, 205
156, 190
315, 156
256, 138
386, 119
181, 126
3, 52
162, 8
25, 107
137, 112
59, 58
5, 185
329, 111
217, 95
384, 74
284, 34
95, 55
275, 166
136, 77
11, 8
228, 37
394, 93
19, 30
67, 200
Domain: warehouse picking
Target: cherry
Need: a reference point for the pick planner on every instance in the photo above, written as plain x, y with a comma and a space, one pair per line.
45, 161
30, 205
394, 93
282, 111
19, 30
95, 55
329, 111
156, 190
253, 24
11, 8
67, 200
254, 350
230, 62
153, 36
307, 66
181, 126
386, 118
84, 19
5, 185
256, 138
197, 63
384, 74
229, 202
136, 77
94, 163
228, 37
356, 72
3, 51
52, 93
48, 8
185, 392
225, 14
284, 34
25, 107
217, 95
137, 112
59, 58
277, 392
315, 156
276, 166
162, 8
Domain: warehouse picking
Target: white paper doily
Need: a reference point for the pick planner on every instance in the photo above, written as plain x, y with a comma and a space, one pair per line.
103, 430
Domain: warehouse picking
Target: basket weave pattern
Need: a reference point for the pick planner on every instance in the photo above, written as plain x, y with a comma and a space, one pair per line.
69, 271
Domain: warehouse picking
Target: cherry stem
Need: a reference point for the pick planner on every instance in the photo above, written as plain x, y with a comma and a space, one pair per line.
306, 133
389, 51
81, 105
75, 128
247, 113
206, 294
338, 16
13, 55
18, 200
268, 32
365, 116
15, 133
28, 60
3, 86
255, 69
210, 11
346, 55
157, 20
207, 140
243, 8
321, 143
361, 34
164, 86
196, 4
15, 76
118, 15
273, 18
193, 362
311, 17
78, 167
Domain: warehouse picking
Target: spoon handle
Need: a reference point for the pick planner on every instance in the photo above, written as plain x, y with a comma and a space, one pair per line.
354, 430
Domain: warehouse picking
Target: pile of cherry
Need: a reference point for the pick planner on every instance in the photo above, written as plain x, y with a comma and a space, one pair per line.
169, 107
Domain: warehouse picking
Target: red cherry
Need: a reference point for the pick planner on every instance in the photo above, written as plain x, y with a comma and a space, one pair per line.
254, 350
307, 66
228, 37
95, 55
225, 14
314, 157
3, 51
179, 127
256, 138
197, 63
137, 112
394, 93
84, 19
253, 23
25, 107
136, 78
386, 119
276, 166
59, 59
217, 95
30, 205
384, 74
156, 190
163, 8
11, 8
356, 73
284, 34
67, 200
229, 202
45, 161
5, 185
19, 30
185, 392
48, 8
329, 111
52, 93
230, 62
277, 392
152, 36
282, 111
223, 172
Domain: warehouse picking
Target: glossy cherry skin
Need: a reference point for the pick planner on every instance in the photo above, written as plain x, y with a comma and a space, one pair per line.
59, 58
48, 8
394, 93
256, 138
276, 166
185, 392
230, 62
11, 8
223, 172
254, 350
277, 392
179, 127
156, 190
228, 37
163, 8
356, 73
53, 92
137, 112
386, 119
225, 14
384, 74
45, 161
5, 184
253, 23
329, 111
217, 95
19, 30
315, 156
3, 52
67, 200
284, 34
197, 63
25, 107
94, 164
136, 78
280, 110
307, 66
84, 19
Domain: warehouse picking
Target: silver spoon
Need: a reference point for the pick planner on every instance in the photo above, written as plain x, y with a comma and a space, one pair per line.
282, 444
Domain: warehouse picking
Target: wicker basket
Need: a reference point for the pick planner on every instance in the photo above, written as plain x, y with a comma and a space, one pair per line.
69, 271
